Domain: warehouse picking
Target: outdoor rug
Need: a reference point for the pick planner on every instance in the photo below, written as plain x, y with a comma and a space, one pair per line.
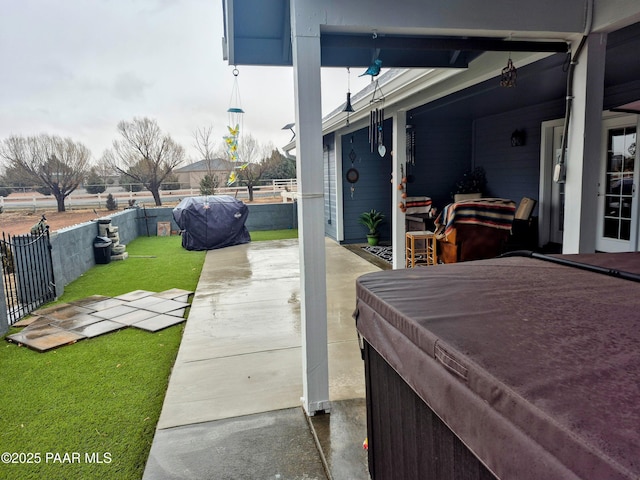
381, 251
67, 323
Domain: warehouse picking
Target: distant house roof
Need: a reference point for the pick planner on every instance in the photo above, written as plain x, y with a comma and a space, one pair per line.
201, 166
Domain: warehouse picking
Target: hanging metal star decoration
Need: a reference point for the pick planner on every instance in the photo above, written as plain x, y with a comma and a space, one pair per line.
509, 75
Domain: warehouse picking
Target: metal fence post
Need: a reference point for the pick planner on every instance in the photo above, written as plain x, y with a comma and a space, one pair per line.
4, 320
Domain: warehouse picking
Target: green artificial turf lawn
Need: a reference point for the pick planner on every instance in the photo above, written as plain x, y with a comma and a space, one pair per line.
154, 264
100, 399
273, 235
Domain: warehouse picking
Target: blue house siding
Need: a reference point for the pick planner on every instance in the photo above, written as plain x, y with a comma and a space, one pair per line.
373, 188
443, 153
513, 172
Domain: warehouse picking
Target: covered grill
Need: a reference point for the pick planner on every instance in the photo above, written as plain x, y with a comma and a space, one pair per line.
211, 222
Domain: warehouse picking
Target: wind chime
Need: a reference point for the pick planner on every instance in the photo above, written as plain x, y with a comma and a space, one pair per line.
410, 139
376, 122
234, 126
376, 117
348, 108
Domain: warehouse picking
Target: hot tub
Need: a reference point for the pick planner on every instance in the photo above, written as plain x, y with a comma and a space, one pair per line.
512, 368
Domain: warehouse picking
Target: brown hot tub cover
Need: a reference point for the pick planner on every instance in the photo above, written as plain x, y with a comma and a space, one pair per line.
534, 366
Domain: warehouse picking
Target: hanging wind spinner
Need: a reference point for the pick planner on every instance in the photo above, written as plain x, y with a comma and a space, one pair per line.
352, 174
235, 112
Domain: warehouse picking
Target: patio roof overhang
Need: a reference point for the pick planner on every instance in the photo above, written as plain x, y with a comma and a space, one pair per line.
403, 51
264, 38
414, 34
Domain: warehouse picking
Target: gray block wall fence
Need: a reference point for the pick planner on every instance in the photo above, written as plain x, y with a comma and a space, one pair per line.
272, 216
72, 247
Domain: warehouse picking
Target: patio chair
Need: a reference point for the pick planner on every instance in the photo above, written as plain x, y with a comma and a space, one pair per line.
524, 232
474, 229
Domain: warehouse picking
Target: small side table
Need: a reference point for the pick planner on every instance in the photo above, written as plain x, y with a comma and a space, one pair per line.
420, 244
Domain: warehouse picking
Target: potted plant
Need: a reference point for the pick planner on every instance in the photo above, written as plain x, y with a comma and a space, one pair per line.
472, 185
372, 220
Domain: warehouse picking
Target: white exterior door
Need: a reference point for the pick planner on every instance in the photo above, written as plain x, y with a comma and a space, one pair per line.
551, 196
617, 201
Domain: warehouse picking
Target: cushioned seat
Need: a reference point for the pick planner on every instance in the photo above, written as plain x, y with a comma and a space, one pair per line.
474, 229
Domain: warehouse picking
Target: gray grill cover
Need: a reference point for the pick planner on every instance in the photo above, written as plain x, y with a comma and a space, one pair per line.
212, 222
534, 366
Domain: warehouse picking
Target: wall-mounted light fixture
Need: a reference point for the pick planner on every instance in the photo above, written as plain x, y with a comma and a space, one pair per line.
289, 126
518, 138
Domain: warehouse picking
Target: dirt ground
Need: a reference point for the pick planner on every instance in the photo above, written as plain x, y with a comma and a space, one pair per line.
20, 222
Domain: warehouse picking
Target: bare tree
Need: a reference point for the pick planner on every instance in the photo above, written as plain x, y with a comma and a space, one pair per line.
105, 172
144, 154
206, 147
251, 175
57, 164
205, 143
251, 156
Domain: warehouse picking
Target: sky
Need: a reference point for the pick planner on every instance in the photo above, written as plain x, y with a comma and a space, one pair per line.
76, 68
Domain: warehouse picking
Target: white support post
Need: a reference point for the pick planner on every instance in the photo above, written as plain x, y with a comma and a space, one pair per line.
399, 156
584, 149
310, 175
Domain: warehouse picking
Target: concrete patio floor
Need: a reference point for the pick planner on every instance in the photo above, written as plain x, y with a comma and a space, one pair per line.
232, 408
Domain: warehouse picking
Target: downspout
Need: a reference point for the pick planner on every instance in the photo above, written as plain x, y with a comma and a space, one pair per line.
328, 150
560, 171
611, 272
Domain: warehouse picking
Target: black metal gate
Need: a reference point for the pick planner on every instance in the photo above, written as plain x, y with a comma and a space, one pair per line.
27, 270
